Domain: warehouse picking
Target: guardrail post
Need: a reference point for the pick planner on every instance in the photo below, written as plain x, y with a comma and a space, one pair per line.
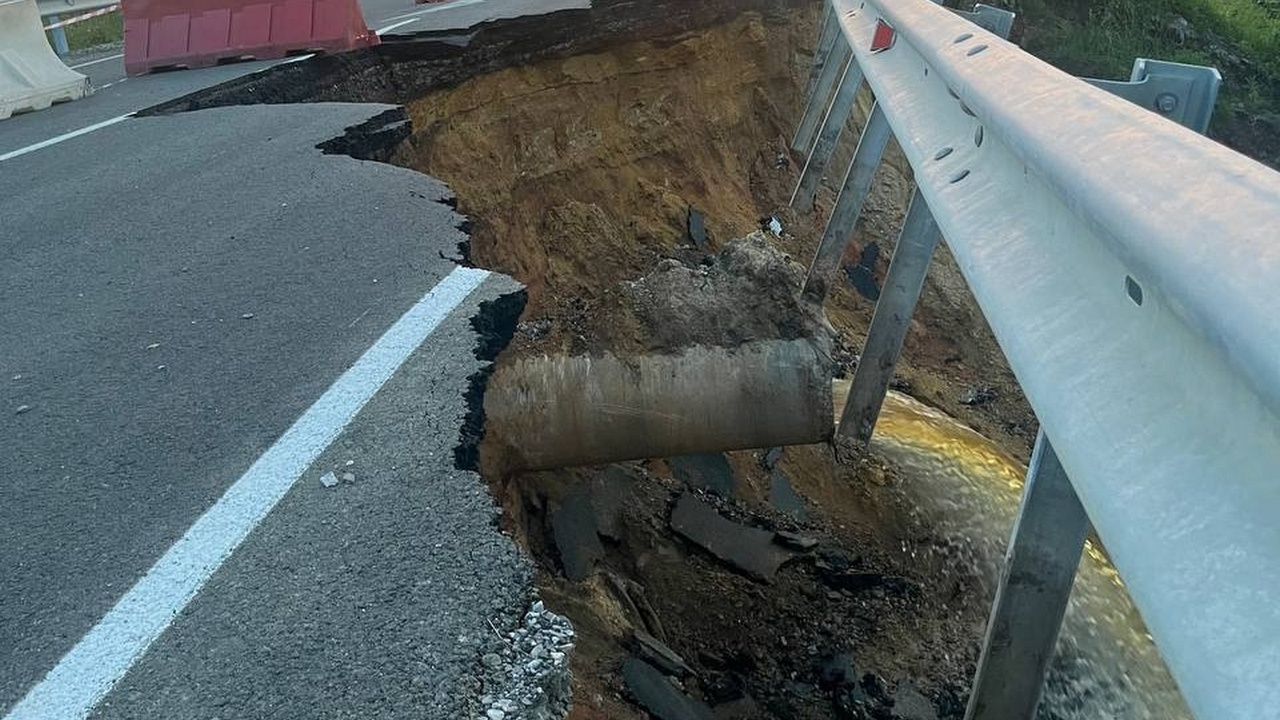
820, 98
1185, 94
853, 193
1039, 570
60, 45
990, 18
906, 276
911, 258
832, 126
826, 42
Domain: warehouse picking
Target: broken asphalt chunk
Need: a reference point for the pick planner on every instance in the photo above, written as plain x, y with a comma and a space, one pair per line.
697, 227
656, 694
795, 540
748, 549
706, 471
573, 525
656, 653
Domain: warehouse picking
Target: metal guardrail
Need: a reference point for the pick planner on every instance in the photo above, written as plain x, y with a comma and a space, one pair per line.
1127, 267
71, 7
55, 9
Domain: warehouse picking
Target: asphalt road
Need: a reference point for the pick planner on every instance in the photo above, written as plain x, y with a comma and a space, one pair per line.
213, 280
203, 315
117, 95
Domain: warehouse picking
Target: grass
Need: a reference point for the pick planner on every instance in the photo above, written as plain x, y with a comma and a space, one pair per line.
93, 32
1241, 38
1107, 35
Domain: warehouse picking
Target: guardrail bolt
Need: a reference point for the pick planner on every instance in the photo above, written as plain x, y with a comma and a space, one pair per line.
1166, 102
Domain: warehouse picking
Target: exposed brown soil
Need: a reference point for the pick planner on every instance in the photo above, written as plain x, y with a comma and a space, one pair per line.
578, 175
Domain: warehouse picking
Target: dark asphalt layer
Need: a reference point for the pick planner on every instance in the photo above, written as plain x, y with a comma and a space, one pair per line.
176, 291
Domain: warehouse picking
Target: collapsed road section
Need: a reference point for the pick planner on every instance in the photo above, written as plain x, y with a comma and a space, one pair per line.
629, 165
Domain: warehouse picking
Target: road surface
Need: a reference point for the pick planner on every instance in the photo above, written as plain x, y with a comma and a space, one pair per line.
204, 316
117, 95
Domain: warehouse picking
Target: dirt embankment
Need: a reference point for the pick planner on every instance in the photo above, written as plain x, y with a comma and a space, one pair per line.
581, 175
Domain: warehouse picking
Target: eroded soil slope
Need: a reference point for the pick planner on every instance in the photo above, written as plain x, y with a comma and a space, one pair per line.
579, 176
581, 173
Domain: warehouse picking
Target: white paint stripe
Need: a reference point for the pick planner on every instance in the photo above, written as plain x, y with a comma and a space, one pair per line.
86, 673
436, 8
62, 138
82, 18
109, 58
107, 123
393, 26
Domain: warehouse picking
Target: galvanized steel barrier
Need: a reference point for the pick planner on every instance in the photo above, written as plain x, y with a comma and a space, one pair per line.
1128, 268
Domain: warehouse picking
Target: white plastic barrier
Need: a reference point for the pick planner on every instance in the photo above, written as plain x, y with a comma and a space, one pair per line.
31, 75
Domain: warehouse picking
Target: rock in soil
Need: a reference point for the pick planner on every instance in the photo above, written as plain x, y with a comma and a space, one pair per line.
909, 704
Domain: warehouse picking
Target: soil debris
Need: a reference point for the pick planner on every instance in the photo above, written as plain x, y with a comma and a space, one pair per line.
746, 292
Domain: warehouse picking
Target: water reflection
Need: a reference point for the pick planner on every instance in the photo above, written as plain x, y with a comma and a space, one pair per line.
967, 490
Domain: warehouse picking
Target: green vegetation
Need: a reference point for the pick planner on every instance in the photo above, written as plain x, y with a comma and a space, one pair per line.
1241, 38
1104, 37
94, 31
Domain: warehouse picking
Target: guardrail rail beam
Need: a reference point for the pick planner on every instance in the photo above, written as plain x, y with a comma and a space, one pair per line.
889, 323
828, 136
1127, 267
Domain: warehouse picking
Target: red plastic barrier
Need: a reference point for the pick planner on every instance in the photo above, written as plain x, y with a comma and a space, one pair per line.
165, 34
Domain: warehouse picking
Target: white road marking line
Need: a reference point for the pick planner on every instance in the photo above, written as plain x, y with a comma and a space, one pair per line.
393, 26
107, 123
100, 60
63, 138
91, 668
436, 8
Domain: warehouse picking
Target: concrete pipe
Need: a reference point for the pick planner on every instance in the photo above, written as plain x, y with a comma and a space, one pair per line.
544, 413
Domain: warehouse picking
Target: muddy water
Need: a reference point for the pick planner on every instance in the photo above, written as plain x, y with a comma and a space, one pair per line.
964, 488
